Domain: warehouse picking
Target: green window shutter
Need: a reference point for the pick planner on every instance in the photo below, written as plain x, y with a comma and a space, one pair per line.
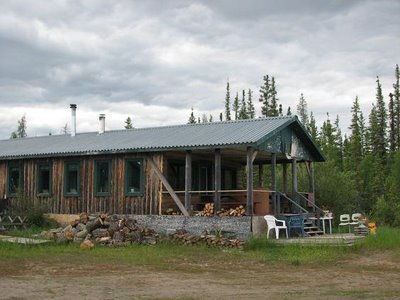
134, 177
102, 178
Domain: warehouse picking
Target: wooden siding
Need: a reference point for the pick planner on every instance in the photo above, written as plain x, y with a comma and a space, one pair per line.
87, 201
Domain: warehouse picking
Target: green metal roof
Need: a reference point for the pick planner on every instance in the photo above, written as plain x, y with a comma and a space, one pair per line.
190, 136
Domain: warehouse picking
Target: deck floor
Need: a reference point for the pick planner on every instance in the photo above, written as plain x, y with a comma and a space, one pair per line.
337, 239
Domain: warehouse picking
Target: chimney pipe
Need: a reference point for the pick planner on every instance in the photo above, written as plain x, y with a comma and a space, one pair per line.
102, 123
73, 119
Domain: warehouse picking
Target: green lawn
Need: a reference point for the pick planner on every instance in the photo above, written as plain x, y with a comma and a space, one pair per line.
165, 254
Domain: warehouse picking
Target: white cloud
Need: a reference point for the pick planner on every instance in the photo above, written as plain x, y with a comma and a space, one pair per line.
154, 60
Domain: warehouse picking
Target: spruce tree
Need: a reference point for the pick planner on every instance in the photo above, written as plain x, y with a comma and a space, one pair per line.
265, 95
211, 119
192, 118
302, 110
128, 123
273, 103
312, 128
396, 107
379, 124
243, 107
289, 111
356, 139
280, 110
227, 103
328, 140
250, 106
236, 106
338, 144
220, 117
392, 124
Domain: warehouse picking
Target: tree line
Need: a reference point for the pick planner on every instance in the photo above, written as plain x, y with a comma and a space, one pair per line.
362, 168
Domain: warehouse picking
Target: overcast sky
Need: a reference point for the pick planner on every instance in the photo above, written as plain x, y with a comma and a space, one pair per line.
154, 60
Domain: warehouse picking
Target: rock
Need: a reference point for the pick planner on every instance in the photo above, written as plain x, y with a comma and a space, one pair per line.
86, 244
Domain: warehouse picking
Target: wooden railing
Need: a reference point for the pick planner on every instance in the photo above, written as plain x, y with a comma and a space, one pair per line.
16, 222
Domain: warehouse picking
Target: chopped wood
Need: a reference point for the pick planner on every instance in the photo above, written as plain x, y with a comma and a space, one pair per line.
116, 232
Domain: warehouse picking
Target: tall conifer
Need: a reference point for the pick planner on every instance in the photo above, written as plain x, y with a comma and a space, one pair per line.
228, 103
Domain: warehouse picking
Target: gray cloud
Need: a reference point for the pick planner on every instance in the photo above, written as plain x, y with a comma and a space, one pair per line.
171, 55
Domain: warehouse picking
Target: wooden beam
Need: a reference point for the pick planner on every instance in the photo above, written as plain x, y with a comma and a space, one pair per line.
217, 181
284, 175
273, 181
167, 186
312, 177
250, 200
260, 175
188, 180
294, 178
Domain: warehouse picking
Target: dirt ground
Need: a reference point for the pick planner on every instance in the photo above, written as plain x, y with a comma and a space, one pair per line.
374, 277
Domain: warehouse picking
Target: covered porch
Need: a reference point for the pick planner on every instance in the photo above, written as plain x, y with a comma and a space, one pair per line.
232, 177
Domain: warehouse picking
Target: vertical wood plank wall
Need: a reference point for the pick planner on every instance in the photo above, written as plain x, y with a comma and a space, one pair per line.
87, 201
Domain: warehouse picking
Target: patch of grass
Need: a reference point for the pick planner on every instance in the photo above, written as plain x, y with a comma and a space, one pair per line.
294, 254
386, 238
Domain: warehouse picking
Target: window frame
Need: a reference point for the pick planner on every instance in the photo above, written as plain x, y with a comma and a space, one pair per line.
49, 165
65, 181
20, 178
141, 190
96, 178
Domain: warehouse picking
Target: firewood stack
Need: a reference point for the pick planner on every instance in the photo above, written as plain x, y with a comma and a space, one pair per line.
208, 211
238, 211
185, 238
172, 212
106, 230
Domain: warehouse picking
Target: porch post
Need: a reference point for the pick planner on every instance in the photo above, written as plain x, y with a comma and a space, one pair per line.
260, 175
217, 181
273, 182
294, 179
312, 182
250, 202
188, 180
285, 185
312, 177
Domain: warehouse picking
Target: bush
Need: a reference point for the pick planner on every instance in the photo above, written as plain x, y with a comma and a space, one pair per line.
33, 210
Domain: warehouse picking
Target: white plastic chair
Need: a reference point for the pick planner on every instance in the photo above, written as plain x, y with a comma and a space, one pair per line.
355, 219
272, 223
344, 221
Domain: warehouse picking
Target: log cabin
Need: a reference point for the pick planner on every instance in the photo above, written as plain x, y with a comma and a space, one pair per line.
149, 171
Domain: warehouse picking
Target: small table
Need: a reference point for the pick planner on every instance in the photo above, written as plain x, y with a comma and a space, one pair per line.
323, 219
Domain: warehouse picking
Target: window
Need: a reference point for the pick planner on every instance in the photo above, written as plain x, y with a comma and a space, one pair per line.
14, 179
103, 178
228, 180
71, 179
44, 180
134, 177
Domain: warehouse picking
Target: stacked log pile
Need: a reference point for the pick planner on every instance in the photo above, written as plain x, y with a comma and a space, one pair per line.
106, 230
185, 238
208, 211
172, 212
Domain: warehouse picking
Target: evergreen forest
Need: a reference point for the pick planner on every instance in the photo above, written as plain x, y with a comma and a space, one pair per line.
362, 168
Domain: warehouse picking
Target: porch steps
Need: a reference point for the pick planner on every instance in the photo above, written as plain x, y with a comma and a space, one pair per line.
311, 230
